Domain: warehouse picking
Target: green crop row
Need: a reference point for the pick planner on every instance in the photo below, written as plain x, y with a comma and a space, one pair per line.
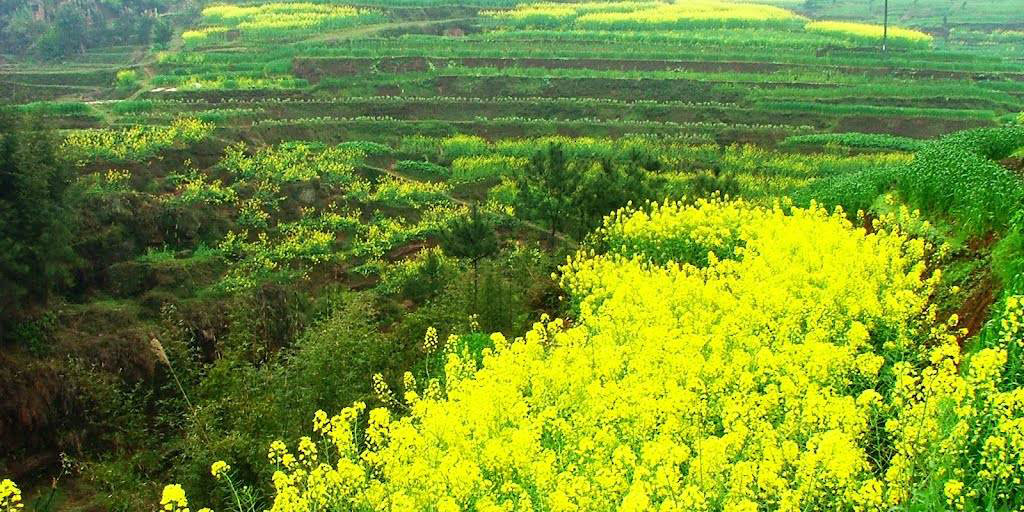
875, 141
959, 175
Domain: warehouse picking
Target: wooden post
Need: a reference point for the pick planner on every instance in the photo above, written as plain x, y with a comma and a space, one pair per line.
885, 26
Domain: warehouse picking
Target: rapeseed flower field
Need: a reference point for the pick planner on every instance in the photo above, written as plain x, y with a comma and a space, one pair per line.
870, 32
725, 356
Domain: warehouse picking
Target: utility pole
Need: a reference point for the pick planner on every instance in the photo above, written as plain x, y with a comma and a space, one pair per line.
885, 26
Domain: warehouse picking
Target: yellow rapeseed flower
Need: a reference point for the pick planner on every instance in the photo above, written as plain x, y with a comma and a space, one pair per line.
10, 497
173, 499
219, 469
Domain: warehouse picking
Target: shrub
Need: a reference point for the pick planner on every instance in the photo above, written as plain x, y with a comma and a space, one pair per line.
127, 78
422, 169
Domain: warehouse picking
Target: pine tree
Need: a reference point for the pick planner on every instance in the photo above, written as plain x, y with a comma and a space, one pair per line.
546, 188
472, 238
35, 233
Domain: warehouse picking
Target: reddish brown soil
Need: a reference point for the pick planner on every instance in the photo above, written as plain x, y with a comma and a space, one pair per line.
405, 251
975, 310
1015, 164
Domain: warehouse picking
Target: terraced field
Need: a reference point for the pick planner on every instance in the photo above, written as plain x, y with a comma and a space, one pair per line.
447, 67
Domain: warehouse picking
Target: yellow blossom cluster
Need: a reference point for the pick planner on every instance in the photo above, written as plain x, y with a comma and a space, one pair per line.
745, 382
173, 499
797, 365
10, 497
646, 15
219, 469
870, 32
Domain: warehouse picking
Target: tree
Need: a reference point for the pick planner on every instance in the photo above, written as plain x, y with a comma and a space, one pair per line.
35, 232
576, 195
610, 184
162, 32
545, 189
19, 29
71, 28
471, 237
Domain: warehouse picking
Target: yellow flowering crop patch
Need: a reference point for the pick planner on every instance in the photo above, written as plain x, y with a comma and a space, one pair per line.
135, 143
645, 15
683, 15
869, 32
277, 20
724, 356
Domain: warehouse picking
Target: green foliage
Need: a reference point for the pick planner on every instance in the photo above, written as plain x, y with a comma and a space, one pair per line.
1008, 256
48, 108
577, 193
471, 237
305, 219
127, 78
875, 141
194, 189
471, 169
545, 189
68, 33
35, 220
421, 169
418, 278
162, 32
246, 399
135, 143
367, 148
68, 28
707, 185
294, 250
293, 162
133, 106
462, 145
958, 175
855, 191
402, 193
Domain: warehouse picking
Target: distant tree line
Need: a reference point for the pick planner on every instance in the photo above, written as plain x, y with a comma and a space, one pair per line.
59, 28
